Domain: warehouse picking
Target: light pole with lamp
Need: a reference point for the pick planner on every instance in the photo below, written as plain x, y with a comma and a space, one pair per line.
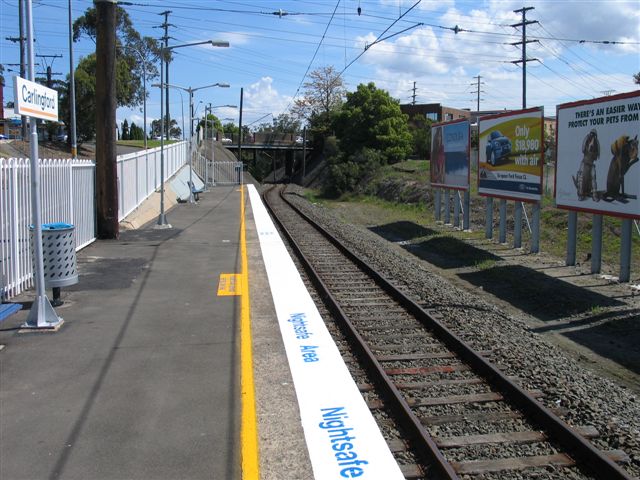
144, 92
162, 219
190, 91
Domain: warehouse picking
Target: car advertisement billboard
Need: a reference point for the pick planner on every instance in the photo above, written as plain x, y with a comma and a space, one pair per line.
450, 146
510, 149
597, 168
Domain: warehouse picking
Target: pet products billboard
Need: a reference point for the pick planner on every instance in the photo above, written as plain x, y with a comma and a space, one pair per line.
450, 146
510, 148
597, 167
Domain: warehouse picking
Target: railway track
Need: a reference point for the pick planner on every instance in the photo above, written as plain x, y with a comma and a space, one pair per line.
459, 414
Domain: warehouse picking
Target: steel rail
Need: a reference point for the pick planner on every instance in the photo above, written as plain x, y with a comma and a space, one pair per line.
432, 454
576, 445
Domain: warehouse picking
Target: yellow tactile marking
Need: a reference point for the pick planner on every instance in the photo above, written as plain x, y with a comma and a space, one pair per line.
230, 284
249, 428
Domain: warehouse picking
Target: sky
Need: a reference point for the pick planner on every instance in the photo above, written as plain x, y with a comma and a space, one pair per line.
583, 49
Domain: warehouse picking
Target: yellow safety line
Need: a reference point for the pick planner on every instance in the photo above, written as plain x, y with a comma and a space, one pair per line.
249, 429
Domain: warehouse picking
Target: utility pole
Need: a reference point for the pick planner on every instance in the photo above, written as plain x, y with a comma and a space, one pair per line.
48, 72
413, 101
165, 38
21, 38
524, 42
478, 91
519, 207
72, 93
106, 168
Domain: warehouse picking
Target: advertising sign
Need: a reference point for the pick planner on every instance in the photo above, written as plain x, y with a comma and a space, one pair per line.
597, 167
510, 149
35, 100
450, 144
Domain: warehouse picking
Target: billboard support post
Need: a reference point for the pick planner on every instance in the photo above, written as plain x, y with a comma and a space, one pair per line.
502, 236
517, 225
572, 238
447, 207
596, 243
438, 201
488, 226
456, 209
467, 208
535, 228
625, 251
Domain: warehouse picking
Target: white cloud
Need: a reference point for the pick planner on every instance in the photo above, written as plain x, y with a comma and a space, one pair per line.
444, 63
261, 97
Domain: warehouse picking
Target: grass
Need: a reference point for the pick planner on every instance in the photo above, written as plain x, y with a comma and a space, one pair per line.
553, 228
140, 143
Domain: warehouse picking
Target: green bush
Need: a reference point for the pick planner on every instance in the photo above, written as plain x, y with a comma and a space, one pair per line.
346, 176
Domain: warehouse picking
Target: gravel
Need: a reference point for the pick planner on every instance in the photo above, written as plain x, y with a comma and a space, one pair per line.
588, 398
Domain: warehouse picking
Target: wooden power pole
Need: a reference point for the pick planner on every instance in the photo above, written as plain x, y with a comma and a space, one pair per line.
106, 168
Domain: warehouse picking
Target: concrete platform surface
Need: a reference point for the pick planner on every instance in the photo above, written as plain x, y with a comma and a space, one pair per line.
143, 379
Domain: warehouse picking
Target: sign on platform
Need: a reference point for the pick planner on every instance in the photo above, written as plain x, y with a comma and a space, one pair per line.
597, 167
35, 100
510, 149
450, 146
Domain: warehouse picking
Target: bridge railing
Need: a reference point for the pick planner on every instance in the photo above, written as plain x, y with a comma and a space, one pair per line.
217, 173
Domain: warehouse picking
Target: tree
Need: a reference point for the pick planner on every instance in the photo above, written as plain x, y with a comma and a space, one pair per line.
125, 131
370, 118
230, 128
420, 128
323, 93
636, 78
85, 80
128, 41
214, 124
174, 130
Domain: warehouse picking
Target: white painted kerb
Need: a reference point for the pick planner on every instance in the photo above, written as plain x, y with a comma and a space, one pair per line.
343, 439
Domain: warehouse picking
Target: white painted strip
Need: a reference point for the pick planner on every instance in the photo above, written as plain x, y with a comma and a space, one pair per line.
343, 439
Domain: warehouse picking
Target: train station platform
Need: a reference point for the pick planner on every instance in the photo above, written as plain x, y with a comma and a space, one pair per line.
162, 368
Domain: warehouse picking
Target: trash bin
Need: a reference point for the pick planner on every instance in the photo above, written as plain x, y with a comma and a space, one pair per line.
58, 257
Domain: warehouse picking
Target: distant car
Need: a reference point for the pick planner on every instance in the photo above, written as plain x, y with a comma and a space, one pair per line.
226, 140
299, 140
157, 137
3, 137
498, 146
62, 137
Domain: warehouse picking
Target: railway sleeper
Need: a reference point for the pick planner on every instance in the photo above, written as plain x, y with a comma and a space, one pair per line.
476, 467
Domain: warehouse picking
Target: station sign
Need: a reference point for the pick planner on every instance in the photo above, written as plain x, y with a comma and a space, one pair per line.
510, 155
450, 147
597, 167
34, 100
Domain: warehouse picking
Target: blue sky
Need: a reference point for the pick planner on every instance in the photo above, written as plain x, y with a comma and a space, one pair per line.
269, 54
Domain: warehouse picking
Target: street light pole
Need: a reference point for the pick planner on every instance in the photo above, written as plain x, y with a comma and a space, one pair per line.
144, 91
162, 220
72, 91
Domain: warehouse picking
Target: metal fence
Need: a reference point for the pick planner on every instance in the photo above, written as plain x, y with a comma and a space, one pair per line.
139, 174
67, 190
217, 173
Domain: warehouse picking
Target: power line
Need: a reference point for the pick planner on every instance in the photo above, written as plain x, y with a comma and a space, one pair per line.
315, 53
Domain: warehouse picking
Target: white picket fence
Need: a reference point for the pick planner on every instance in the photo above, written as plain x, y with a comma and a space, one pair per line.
139, 174
67, 189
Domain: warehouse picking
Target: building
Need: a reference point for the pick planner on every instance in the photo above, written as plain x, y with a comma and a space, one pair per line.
435, 112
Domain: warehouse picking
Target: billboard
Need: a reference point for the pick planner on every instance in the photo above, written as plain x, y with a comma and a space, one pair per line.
450, 144
510, 149
597, 168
